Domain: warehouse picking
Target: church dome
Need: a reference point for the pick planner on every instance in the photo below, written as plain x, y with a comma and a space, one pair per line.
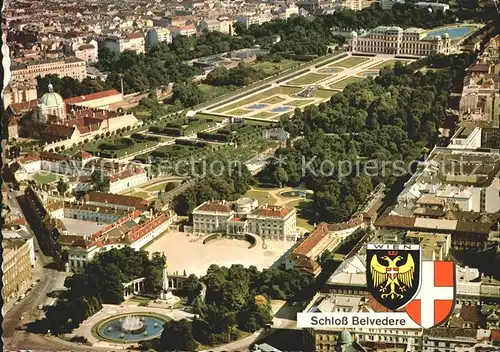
345, 338
51, 99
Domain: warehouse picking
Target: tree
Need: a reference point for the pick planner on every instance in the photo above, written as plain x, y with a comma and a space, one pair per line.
191, 288
62, 186
281, 176
153, 273
98, 180
170, 186
187, 94
178, 336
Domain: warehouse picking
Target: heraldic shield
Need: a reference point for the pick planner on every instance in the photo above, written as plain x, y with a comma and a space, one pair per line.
435, 300
393, 273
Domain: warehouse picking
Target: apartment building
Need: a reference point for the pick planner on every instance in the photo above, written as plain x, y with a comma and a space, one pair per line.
16, 267
355, 5
87, 52
325, 339
72, 67
186, 30
157, 35
130, 41
388, 4
210, 25
16, 93
249, 19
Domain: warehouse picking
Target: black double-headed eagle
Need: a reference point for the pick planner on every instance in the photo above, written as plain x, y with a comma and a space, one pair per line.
392, 276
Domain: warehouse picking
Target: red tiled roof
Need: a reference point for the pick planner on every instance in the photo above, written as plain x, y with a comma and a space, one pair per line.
135, 35
353, 222
82, 155
474, 227
495, 335
29, 159
62, 131
272, 211
126, 174
377, 307
312, 241
142, 230
396, 221
126, 218
93, 96
18, 108
215, 206
52, 156
118, 199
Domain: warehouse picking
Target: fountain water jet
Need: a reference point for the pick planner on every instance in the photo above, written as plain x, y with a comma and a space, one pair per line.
132, 325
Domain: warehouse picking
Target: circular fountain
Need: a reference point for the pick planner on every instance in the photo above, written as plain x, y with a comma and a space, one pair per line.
131, 328
133, 325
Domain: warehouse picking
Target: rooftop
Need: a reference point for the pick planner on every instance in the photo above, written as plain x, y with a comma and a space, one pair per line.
214, 206
93, 96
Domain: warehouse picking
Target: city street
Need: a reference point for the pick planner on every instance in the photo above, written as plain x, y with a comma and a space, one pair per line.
49, 280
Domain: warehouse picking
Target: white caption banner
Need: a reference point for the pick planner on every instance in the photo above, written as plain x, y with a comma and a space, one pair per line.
340, 320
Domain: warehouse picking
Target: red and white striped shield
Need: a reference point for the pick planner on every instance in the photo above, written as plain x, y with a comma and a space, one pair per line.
435, 301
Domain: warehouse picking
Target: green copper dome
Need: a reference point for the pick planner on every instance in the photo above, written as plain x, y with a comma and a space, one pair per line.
345, 338
51, 99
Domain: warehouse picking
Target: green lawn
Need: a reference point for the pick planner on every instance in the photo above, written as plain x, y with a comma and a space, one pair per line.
264, 114
142, 195
299, 102
330, 70
262, 197
350, 62
259, 96
201, 115
272, 68
389, 63
345, 82
44, 177
302, 207
239, 112
307, 79
272, 100
157, 187
324, 93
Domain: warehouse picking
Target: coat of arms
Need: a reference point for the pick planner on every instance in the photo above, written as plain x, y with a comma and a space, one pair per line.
393, 273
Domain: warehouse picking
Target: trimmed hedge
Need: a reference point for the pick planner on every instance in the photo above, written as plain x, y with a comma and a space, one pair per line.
220, 137
190, 143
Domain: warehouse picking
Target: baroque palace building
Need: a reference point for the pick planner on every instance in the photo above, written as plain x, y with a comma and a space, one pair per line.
245, 216
396, 41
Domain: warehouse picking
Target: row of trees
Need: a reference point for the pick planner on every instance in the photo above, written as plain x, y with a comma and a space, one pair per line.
370, 133
100, 282
69, 87
403, 15
237, 298
239, 76
235, 180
